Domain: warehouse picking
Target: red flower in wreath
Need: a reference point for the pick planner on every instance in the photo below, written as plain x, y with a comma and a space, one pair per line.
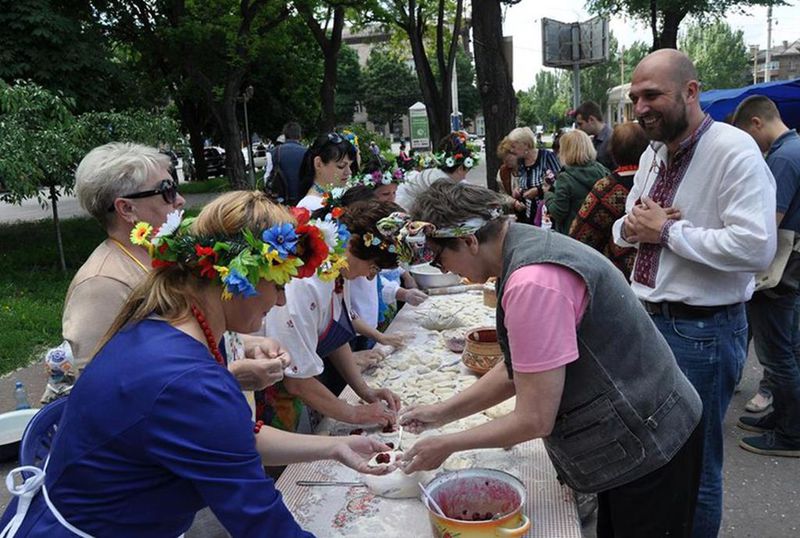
314, 250
206, 260
337, 212
301, 215
459, 156
156, 263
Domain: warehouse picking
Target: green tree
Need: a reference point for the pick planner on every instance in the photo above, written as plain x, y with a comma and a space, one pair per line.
42, 141
719, 54
349, 90
212, 44
61, 46
665, 16
416, 18
469, 100
389, 86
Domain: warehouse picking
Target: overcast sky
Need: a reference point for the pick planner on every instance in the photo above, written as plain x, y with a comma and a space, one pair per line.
523, 22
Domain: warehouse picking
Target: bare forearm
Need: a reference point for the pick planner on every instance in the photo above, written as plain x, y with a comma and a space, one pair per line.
317, 396
342, 359
491, 389
364, 329
500, 432
278, 447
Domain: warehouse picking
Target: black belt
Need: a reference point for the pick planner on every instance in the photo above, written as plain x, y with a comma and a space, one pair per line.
683, 310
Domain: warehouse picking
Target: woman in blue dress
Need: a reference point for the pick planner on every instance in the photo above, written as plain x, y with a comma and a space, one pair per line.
157, 428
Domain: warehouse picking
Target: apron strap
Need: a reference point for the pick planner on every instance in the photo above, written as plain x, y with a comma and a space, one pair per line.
25, 492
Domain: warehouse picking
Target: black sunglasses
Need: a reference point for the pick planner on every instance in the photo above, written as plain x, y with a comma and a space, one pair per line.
336, 138
168, 190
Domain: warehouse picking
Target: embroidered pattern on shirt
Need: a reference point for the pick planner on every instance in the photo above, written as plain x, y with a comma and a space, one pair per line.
663, 192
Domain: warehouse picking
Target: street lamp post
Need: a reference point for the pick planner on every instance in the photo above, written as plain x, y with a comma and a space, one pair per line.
246, 96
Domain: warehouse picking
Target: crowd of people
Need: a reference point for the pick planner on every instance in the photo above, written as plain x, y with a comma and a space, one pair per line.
210, 347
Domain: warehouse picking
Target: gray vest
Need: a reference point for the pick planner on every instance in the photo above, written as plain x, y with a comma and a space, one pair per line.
626, 408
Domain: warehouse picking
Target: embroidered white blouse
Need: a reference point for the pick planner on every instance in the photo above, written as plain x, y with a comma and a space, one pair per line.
727, 230
299, 324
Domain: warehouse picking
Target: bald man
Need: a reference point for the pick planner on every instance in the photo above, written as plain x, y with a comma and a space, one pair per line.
702, 215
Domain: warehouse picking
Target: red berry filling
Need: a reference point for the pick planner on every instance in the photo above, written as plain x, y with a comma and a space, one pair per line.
383, 457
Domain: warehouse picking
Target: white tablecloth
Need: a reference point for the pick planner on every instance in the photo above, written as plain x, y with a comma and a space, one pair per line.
424, 371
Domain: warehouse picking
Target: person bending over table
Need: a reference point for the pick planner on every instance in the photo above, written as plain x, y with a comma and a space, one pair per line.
156, 428
591, 373
316, 323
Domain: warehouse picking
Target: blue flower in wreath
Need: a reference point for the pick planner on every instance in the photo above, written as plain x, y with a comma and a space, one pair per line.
239, 285
282, 238
344, 234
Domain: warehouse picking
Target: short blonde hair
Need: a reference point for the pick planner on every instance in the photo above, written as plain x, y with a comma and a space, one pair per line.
522, 135
112, 170
576, 149
504, 148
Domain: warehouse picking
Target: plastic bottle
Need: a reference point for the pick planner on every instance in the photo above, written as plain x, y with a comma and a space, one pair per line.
21, 396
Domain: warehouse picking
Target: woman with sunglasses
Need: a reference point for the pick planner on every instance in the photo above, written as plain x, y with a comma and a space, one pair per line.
316, 328
120, 184
326, 164
156, 428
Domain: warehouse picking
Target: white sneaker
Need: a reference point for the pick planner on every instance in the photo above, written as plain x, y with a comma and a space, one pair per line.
758, 403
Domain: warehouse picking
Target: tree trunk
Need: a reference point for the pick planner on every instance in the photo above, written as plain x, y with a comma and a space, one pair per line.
57, 224
498, 100
436, 94
232, 140
330, 46
669, 31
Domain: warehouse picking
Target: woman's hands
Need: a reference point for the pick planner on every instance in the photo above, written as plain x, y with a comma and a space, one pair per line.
367, 359
385, 395
426, 454
418, 418
355, 451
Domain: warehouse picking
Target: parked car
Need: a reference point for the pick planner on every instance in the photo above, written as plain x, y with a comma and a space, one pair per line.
259, 155
215, 160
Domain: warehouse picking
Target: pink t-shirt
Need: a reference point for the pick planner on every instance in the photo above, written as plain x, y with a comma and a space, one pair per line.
543, 305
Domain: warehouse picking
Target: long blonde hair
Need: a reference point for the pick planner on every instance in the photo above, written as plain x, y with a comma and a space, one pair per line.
170, 291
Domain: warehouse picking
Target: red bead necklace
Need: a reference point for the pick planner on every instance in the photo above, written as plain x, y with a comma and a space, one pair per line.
214, 348
212, 344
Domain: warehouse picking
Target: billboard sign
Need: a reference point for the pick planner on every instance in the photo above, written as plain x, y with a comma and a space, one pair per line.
577, 43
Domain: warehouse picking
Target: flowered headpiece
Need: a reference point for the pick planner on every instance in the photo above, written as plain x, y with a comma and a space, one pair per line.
411, 236
351, 137
461, 153
377, 178
278, 254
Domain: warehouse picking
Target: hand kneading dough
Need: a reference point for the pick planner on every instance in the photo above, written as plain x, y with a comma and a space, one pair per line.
397, 484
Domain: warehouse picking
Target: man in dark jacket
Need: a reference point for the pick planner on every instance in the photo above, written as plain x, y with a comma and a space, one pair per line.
288, 157
589, 119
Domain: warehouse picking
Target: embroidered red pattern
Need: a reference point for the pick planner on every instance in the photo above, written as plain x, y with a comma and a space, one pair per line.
663, 191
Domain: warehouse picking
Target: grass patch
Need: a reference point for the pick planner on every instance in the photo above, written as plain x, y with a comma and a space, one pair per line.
217, 184
32, 285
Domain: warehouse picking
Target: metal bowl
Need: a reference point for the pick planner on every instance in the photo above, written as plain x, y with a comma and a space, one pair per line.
428, 277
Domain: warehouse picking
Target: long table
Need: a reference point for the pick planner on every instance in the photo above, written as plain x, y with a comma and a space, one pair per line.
425, 371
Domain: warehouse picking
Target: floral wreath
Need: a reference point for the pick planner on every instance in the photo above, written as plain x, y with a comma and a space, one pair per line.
410, 237
278, 254
463, 155
377, 178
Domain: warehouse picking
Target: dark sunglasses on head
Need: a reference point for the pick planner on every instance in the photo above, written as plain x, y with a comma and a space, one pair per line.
336, 138
168, 190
